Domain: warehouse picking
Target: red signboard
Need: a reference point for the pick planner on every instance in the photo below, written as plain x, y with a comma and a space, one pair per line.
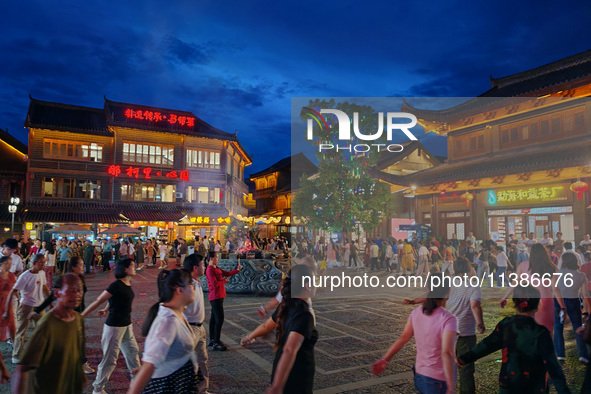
157, 117
146, 172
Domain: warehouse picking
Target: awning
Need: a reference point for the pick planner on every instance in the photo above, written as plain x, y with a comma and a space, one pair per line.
70, 228
151, 213
71, 217
121, 229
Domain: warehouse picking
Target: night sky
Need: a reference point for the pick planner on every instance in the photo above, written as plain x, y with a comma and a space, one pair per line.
236, 65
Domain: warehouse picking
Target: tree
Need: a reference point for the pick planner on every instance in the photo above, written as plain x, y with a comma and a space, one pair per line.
341, 194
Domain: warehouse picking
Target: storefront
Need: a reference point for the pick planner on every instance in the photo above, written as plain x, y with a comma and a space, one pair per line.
530, 209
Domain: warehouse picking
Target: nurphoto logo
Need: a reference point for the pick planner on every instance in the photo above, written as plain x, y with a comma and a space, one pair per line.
344, 133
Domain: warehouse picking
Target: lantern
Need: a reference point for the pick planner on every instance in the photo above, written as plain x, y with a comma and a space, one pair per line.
467, 197
579, 187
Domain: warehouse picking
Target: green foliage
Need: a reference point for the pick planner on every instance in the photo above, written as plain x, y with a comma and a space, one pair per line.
341, 194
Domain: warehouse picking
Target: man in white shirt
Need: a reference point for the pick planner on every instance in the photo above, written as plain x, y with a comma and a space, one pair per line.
33, 288
586, 240
10, 249
195, 314
471, 237
228, 246
530, 242
423, 259
547, 240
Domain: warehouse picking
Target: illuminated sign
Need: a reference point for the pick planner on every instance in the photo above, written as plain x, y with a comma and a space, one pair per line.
208, 220
29, 226
158, 117
146, 173
528, 195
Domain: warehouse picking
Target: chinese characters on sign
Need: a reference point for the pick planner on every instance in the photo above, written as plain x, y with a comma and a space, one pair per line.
207, 220
530, 195
147, 172
157, 117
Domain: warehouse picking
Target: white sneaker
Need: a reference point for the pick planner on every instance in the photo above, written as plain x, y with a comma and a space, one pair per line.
87, 369
15, 360
561, 358
583, 360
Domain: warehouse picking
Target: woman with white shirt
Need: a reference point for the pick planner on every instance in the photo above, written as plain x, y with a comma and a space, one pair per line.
168, 351
502, 264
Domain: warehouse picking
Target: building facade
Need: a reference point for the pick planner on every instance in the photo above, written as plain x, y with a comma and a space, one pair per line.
516, 157
154, 167
13, 174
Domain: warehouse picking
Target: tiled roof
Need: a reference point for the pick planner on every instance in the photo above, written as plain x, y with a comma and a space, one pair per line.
386, 158
298, 161
116, 117
160, 212
12, 141
72, 211
65, 117
568, 70
531, 159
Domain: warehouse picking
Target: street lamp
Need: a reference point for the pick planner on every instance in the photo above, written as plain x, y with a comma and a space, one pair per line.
14, 201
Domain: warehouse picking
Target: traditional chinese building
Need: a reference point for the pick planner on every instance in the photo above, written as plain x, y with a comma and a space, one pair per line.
13, 171
515, 155
154, 167
273, 191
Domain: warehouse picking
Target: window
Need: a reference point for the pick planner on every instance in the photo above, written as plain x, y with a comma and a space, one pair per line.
555, 125
72, 150
148, 192
545, 127
480, 142
458, 147
505, 138
204, 195
533, 130
514, 135
198, 158
524, 132
473, 143
140, 153
72, 188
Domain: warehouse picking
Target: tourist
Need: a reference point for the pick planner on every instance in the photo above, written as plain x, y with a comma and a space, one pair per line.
106, 254
448, 258
522, 254
407, 263
88, 256
482, 262
531, 241
195, 314
423, 264
471, 238
434, 330
183, 250
586, 240
7, 281
117, 330
163, 250
53, 355
354, 255
140, 255
572, 281
63, 254
502, 265
48, 250
149, 253
293, 364
527, 348
465, 303
216, 284
469, 252
540, 265
558, 244
547, 240
33, 289
167, 366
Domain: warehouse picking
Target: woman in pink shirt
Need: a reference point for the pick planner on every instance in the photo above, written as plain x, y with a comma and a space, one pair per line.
434, 330
216, 283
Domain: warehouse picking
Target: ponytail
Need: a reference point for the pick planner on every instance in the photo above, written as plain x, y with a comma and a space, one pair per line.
168, 282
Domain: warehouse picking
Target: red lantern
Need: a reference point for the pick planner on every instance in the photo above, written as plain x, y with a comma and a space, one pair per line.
467, 197
579, 187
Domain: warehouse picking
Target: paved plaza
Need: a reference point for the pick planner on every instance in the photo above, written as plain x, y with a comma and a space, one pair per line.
354, 332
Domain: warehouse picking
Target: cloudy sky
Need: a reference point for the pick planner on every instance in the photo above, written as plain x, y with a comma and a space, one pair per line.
237, 65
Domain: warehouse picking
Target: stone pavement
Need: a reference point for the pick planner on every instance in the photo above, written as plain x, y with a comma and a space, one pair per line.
354, 332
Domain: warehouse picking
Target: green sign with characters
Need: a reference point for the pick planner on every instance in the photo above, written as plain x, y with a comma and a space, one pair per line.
529, 195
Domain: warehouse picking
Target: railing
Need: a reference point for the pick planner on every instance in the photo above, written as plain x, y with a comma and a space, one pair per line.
262, 193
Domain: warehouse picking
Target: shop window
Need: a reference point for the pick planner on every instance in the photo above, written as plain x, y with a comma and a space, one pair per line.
148, 192
514, 135
141, 153
71, 188
458, 147
524, 132
473, 143
480, 142
505, 137
199, 158
72, 150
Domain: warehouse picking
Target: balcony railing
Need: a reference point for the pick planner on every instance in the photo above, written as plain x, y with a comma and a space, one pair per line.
263, 193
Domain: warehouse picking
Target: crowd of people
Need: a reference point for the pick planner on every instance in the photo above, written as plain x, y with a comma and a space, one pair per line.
175, 353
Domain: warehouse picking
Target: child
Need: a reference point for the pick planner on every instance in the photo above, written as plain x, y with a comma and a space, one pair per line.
527, 349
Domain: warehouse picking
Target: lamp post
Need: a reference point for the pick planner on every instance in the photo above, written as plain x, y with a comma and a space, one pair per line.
14, 201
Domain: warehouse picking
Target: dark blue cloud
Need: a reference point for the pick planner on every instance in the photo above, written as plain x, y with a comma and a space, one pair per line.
237, 65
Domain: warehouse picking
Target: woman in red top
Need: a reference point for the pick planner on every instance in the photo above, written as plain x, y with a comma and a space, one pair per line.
217, 292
